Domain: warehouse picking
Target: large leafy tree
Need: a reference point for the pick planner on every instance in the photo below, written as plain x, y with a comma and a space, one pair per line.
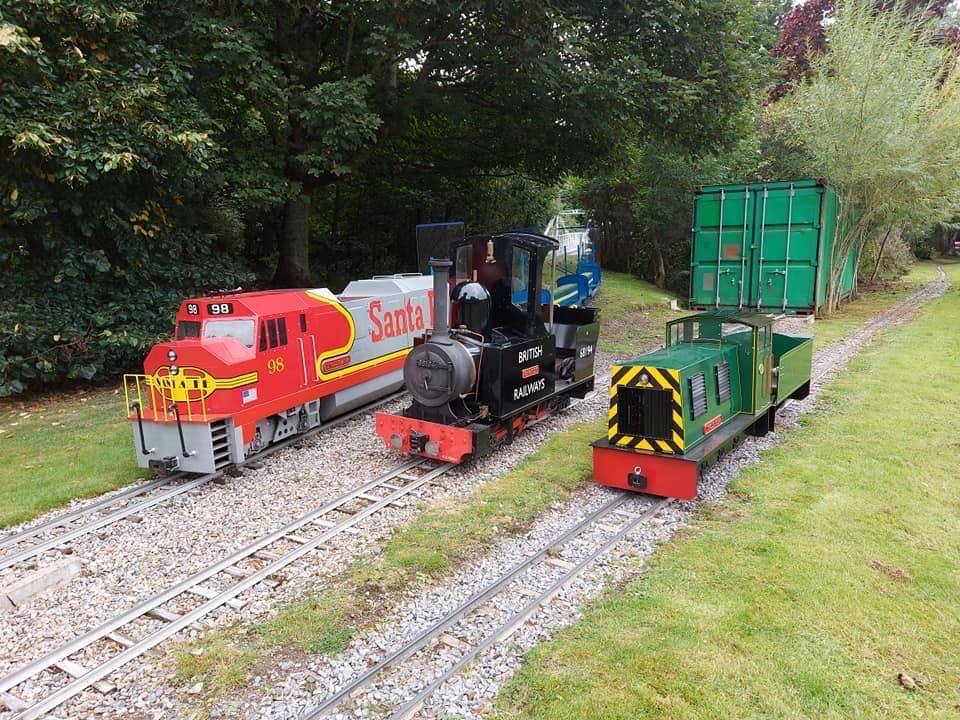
152, 147
803, 36
880, 117
307, 94
103, 144
643, 198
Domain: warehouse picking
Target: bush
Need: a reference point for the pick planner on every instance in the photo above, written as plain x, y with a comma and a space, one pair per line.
84, 318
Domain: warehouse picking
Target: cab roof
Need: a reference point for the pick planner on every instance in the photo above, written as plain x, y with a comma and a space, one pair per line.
729, 315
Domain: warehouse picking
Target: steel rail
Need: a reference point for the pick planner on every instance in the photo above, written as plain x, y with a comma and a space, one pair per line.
65, 518
176, 624
477, 599
507, 628
124, 511
34, 550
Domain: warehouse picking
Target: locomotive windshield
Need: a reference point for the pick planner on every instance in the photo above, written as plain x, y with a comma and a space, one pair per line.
240, 330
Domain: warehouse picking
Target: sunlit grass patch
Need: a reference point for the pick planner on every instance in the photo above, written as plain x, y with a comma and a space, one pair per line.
827, 586
633, 312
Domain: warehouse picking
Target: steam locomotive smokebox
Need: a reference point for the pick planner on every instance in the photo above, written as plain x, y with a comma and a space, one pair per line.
519, 375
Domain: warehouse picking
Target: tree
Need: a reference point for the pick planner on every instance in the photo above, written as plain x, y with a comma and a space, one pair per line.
879, 118
643, 197
306, 95
803, 36
103, 147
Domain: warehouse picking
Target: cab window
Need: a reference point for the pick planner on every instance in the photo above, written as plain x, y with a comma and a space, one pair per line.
240, 330
520, 278
188, 329
274, 330
462, 266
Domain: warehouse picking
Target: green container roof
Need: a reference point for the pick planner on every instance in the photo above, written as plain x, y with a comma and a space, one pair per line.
778, 185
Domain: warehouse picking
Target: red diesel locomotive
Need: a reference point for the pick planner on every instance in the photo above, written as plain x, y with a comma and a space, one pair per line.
249, 369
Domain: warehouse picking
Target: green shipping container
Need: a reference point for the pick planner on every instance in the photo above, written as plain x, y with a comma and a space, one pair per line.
765, 247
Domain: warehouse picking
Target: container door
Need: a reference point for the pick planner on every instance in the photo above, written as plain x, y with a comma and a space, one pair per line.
721, 252
786, 240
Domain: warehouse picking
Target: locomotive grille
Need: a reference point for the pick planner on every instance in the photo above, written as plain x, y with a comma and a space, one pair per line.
723, 381
645, 412
220, 436
698, 394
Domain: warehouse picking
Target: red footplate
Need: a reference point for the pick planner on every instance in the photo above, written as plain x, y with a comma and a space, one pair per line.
440, 442
644, 472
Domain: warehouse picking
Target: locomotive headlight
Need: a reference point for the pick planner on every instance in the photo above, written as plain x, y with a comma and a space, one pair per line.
174, 369
172, 355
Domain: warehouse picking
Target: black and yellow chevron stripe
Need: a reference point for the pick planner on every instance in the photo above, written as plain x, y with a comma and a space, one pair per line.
646, 377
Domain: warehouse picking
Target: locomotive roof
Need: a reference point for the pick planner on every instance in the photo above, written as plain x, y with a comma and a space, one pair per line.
268, 302
522, 236
731, 315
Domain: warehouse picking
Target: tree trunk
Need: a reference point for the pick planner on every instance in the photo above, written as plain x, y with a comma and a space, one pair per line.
883, 246
293, 267
659, 270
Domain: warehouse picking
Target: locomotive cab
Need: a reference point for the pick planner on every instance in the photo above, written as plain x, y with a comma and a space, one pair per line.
500, 356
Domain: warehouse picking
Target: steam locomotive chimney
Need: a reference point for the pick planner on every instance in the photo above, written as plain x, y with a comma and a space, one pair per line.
441, 290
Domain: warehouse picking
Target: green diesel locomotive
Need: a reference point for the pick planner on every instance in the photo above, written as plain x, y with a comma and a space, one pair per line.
721, 375
757, 250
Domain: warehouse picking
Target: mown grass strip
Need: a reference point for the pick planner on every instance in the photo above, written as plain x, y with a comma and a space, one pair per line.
633, 312
62, 447
827, 587
872, 301
226, 658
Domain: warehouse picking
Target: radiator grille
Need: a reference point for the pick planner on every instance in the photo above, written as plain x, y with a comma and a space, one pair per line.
644, 412
723, 381
698, 394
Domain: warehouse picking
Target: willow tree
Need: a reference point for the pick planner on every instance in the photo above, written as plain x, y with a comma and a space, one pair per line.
880, 117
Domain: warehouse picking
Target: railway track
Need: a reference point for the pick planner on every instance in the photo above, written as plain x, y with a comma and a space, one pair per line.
424, 645
154, 620
58, 532
421, 649
90, 659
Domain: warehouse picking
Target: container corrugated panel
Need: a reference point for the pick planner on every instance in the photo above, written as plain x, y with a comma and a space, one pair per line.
764, 246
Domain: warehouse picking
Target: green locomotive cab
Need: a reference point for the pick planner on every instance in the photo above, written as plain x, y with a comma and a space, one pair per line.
722, 374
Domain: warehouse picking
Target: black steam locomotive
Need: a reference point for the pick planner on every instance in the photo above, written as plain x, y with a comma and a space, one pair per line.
502, 355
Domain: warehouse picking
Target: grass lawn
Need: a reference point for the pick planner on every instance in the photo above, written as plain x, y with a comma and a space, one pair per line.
633, 312
61, 447
872, 301
833, 567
